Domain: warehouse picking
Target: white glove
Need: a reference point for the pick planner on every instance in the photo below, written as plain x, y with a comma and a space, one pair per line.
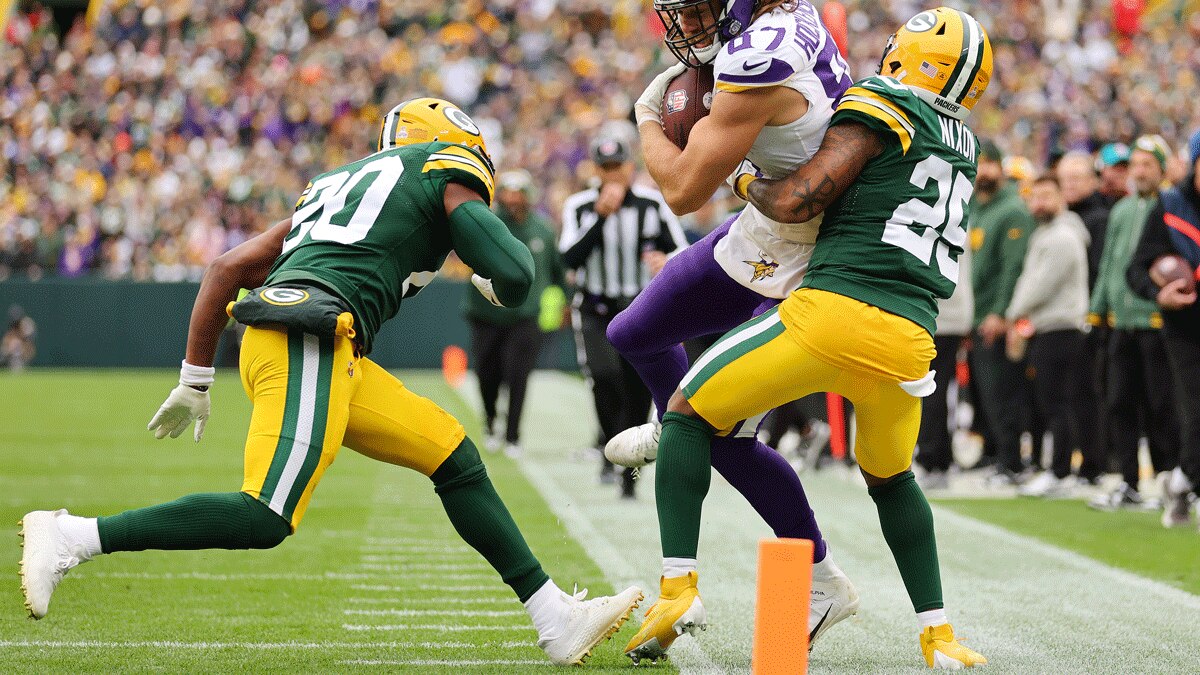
485, 289
649, 105
184, 404
746, 173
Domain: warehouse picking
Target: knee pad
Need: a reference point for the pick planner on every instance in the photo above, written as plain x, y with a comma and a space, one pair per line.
461, 469
267, 529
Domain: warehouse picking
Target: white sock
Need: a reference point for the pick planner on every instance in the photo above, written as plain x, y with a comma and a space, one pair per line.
82, 534
826, 569
934, 617
548, 609
678, 567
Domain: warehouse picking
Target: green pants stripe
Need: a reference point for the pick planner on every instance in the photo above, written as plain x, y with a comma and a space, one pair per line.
737, 343
301, 437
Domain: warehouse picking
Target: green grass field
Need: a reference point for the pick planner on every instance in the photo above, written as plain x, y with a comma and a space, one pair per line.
1134, 541
374, 578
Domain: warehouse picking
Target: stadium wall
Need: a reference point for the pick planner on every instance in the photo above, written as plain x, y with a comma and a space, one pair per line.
103, 324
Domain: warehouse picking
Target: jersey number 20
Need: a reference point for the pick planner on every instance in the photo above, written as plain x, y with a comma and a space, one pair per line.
342, 207
942, 220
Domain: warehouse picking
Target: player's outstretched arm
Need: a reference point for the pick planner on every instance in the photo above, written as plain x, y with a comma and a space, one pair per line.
244, 266
802, 196
688, 178
485, 243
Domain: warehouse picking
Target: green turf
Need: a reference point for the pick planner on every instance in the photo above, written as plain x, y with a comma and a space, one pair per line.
77, 439
1134, 541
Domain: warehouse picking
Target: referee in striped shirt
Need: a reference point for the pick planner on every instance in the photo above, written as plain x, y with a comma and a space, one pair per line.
615, 237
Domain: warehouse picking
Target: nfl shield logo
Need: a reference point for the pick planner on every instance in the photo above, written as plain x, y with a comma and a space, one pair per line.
676, 100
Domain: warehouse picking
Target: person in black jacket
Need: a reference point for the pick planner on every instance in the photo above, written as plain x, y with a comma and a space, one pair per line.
1173, 228
1080, 183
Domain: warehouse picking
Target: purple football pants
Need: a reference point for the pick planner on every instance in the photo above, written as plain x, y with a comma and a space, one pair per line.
690, 298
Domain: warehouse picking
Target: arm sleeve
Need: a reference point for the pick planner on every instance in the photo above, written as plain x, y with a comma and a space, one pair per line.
1154, 243
579, 239
483, 241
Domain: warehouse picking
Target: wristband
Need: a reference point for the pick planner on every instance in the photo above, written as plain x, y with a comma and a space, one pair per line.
741, 186
196, 376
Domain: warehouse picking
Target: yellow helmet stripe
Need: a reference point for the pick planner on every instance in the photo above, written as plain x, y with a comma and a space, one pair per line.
968, 60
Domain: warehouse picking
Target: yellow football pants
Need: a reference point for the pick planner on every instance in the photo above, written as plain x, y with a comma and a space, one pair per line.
819, 341
312, 395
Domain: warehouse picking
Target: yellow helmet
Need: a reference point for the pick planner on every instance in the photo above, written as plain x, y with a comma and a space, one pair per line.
943, 55
425, 120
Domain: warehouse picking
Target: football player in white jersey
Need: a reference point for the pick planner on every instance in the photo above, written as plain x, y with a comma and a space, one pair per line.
778, 74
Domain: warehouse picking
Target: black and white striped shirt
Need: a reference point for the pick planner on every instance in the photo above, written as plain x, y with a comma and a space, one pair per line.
607, 253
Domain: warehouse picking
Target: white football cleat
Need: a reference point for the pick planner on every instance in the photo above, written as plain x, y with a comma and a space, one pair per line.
635, 447
833, 599
589, 623
46, 558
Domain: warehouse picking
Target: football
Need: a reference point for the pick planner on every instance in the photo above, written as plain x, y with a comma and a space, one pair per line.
687, 100
1168, 268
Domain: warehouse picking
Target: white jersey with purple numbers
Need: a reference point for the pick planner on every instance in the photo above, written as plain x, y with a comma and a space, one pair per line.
780, 49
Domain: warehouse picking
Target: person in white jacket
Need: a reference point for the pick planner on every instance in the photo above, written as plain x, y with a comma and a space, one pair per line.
1049, 308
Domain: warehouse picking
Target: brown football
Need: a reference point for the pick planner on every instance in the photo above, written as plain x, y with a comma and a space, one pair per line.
1168, 268
688, 99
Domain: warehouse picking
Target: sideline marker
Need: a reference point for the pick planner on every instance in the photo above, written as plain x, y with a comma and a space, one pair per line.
781, 610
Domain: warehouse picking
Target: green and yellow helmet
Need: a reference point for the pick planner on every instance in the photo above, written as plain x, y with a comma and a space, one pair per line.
943, 55
425, 120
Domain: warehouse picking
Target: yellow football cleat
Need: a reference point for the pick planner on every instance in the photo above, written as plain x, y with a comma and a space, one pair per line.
677, 611
943, 652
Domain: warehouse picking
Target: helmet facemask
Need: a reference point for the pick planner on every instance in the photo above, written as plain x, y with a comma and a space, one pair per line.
723, 21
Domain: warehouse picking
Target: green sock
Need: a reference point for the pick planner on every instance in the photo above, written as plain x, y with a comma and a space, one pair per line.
907, 524
229, 520
483, 521
681, 482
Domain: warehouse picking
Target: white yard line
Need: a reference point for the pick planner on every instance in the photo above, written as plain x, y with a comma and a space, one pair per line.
440, 627
383, 588
252, 646
432, 601
445, 662
435, 612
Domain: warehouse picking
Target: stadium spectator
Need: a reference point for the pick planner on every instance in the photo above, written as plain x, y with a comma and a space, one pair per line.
1140, 397
17, 344
505, 341
1173, 228
999, 225
1049, 307
1113, 164
939, 411
1081, 187
615, 236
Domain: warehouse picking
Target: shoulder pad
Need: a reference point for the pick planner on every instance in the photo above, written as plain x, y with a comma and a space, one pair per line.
462, 165
883, 104
765, 55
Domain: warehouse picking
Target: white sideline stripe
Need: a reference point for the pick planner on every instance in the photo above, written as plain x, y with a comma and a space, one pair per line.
247, 576
451, 628
488, 613
304, 424
432, 601
435, 662
253, 646
1070, 558
412, 589
719, 349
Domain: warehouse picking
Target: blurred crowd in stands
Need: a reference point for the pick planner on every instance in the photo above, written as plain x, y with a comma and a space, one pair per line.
144, 142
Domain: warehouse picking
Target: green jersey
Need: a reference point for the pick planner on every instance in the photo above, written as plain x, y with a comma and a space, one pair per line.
375, 231
893, 239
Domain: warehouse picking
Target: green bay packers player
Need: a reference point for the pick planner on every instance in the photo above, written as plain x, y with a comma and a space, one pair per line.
893, 177
363, 237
